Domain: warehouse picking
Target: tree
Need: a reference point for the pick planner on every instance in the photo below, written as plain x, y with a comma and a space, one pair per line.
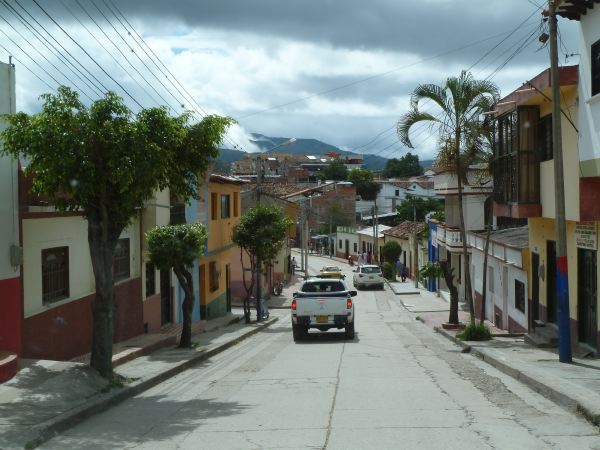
391, 251
407, 166
106, 162
461, 128
261, 233
422, 206
365, 186
336, 170
177, 246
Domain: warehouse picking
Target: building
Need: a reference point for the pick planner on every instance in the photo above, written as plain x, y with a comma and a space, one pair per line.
445, 242
11, 314
507, 305
526, 190
346, 242
367, 240
405, 234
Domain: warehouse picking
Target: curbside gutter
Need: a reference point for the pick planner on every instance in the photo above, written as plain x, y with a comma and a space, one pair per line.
587, 409
103, 401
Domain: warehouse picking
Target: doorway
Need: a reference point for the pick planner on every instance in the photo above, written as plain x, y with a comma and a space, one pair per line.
165, 297
551, 282
587, 296
535, 287
347, 248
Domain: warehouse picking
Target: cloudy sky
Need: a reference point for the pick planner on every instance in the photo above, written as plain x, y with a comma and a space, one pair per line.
336, 70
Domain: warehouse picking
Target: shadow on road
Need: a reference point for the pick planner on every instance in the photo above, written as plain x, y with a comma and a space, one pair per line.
328, 337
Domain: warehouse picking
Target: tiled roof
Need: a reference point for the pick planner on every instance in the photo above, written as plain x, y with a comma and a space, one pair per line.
405, 229
216, 178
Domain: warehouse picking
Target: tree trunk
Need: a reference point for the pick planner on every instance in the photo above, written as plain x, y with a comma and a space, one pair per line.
248, 289
259, 311
187, 284
463, 235
485, 264
102, 243
449, 278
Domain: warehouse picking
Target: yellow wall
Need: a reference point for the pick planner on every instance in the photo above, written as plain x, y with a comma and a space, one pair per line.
219, 230
222, 258
542, 230
570, 160
42, 233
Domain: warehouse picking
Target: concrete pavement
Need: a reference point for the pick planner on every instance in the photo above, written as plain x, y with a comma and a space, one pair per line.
48, 397
396, 385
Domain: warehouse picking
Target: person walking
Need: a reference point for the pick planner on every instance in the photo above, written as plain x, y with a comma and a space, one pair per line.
293, 265
398, 268
369, 258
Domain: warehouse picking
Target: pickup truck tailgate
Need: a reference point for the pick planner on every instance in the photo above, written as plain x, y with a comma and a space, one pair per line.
321, 306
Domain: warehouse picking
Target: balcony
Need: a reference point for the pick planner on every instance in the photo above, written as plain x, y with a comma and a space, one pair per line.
516, 164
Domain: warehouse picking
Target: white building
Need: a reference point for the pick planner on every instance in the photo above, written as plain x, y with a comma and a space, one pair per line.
392, 193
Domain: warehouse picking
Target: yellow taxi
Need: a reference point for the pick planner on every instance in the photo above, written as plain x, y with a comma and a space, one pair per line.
331, 272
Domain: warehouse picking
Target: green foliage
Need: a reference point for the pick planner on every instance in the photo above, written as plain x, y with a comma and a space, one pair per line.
107, 160
365, 186
388, 271
475, 331
407, 166
430, 270
423, 206
175, 245
262, 231
391, 250
336, 170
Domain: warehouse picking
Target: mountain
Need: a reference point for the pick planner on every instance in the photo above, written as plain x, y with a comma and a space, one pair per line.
309, 146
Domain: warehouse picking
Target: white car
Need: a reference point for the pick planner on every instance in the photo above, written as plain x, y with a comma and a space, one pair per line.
367, 276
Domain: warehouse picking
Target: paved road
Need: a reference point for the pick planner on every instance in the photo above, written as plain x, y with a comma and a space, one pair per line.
397, 386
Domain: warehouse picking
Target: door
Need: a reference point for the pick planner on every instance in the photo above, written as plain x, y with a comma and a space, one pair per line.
347, 248
551, 281
202, 277
535, 287
165, 297
228, 286
587, 298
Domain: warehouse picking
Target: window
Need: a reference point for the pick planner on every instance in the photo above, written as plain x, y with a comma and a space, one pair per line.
397, 192
236, 204
490, 279
225, 204
150, 279
355, 247
213, 205
520, 295
121, 260
595, 67
341, 245
213, 276
55, 274
545, 138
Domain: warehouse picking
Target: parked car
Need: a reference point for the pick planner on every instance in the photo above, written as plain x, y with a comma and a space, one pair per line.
331, 272
368, 276
323, 304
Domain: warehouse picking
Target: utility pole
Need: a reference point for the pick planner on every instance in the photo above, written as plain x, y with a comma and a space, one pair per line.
375, 233
562, 271
415, 245
259, 297
301, 237
306, 238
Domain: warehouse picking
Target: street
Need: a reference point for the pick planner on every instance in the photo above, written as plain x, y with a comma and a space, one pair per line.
396, 385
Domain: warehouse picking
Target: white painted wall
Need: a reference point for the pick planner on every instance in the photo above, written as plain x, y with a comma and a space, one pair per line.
9, 220
39, 234
589, 108
473, 207
352, 239
391, 195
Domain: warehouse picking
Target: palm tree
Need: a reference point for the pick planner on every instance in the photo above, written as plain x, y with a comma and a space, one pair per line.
462, 129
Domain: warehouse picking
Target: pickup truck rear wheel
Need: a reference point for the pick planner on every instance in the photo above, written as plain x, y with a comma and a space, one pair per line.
298, 332
350, 331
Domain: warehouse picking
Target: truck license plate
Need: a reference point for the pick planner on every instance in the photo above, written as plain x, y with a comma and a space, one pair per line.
371, 277
322, 319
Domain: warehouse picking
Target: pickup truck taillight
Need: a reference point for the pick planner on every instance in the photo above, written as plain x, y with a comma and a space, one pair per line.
349, 303
294, 305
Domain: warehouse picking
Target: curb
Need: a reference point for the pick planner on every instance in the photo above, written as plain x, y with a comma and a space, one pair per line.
590, 413
416, 292
103, 401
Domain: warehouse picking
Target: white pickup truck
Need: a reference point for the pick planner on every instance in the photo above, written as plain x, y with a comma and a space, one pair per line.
323, 304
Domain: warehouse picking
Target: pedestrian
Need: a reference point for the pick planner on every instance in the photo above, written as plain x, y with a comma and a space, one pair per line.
293, 265
404, 273
398, 268
369, 258
360, 260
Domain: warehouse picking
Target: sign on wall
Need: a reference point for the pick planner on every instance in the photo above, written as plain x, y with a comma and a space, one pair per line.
586, 235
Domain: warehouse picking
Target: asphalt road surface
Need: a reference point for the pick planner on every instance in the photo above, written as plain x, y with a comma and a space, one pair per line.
397, 385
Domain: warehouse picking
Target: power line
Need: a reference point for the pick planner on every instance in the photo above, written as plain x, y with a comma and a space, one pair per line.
88, 54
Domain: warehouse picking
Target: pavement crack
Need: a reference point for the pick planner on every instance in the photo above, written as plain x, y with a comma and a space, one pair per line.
333, 402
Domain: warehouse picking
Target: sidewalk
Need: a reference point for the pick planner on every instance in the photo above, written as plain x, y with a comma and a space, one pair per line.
48, 397
574, 386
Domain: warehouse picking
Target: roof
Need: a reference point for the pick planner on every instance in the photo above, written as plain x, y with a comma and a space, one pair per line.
381, 216
405, 229
224, 179
510, 237
574, 9
369, 231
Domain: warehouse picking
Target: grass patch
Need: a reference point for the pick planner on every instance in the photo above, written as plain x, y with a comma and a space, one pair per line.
475, 331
